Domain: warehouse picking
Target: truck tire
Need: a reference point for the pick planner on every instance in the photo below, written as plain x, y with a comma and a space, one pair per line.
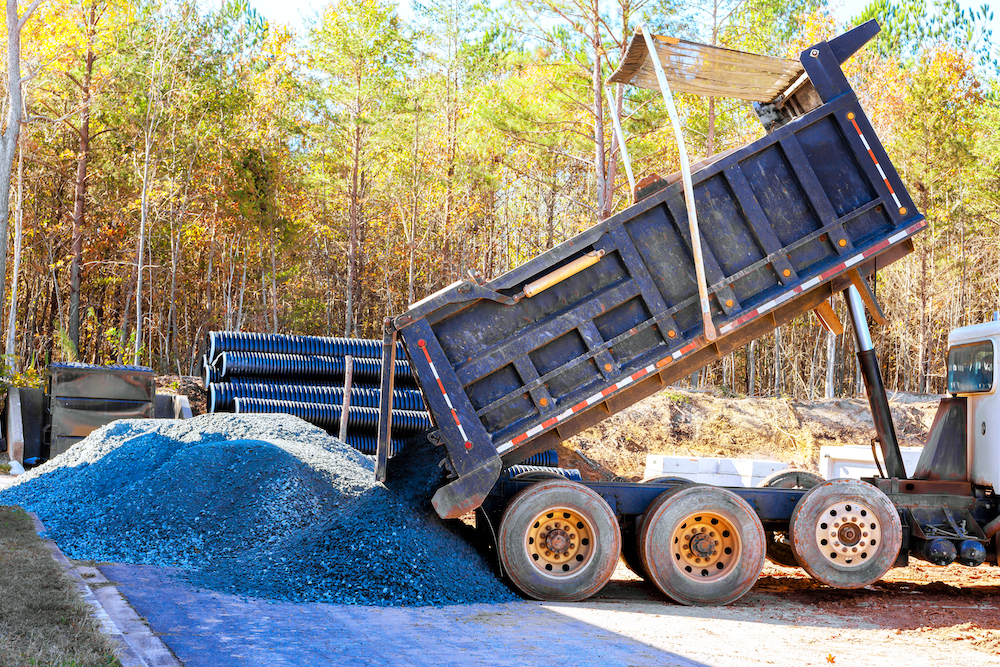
779, 546
559, 540
630, 532
845, 533
702, 545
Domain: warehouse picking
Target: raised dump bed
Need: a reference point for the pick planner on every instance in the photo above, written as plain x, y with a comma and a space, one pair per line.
515, 365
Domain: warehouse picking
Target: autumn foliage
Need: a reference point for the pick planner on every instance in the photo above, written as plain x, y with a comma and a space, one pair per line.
316, 183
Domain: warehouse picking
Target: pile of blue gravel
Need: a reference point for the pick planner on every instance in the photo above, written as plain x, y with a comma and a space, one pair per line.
258, 505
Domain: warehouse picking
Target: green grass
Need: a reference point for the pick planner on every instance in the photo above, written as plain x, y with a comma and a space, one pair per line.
43, 620
676, 397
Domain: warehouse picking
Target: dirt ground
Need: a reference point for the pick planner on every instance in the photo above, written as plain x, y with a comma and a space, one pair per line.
704, 423
187, 385
955, 603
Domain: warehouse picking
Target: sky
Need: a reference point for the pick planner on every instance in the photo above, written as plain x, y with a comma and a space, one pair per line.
294, 12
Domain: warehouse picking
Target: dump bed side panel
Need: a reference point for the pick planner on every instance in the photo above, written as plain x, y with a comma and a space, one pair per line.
782, 220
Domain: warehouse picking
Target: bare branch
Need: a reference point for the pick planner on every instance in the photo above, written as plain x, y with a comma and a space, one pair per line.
74, 80
27, 14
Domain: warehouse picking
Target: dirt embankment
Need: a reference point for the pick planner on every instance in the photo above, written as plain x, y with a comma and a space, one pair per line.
704, 423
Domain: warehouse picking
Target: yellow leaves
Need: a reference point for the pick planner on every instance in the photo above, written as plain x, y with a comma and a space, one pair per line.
817, 26
831, 659
58, 33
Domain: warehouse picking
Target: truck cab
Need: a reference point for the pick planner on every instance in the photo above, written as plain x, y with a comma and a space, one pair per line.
972, 362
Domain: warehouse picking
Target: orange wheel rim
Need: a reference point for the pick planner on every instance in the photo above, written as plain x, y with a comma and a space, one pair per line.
560, 541
705, 546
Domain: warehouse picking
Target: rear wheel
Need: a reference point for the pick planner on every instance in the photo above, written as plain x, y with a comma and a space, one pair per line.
845, 533
630, 528
559, 540
779, 546
702, 545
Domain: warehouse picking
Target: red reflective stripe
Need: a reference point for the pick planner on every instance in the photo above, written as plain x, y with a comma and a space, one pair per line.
454, 415
549, 422
519, 439
639, 374
833, 271
609, 390
881, 246
579, 406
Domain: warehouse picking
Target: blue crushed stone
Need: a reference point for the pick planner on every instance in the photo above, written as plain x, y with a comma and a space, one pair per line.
259, 505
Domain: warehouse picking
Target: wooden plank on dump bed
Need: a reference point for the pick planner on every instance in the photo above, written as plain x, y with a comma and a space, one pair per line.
706, 70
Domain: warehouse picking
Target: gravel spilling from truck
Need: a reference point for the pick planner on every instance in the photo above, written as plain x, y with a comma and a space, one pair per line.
260, 505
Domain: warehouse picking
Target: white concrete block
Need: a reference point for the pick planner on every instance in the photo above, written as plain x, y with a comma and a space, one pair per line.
855, 461
711, 470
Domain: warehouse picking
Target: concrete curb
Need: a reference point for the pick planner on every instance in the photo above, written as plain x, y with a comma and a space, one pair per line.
137, 645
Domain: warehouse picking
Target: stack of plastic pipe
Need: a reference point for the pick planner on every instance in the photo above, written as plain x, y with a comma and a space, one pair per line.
304, 375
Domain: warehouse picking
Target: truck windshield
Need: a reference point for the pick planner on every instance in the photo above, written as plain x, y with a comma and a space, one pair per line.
970, 368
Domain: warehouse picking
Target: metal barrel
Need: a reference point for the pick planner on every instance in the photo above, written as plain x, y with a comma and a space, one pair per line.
404, 422
275, 364
246, 341
366, 444
549, 459
222, 394
571, 474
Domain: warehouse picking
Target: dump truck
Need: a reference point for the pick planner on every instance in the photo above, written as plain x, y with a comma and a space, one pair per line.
701, 264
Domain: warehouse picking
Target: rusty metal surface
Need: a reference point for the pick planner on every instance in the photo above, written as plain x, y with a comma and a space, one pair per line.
945, 456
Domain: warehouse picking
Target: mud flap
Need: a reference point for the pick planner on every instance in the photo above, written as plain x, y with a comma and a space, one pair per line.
468, 491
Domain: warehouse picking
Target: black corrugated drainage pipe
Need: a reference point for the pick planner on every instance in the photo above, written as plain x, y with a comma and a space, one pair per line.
248, 341
309, 365
404, 422
222, 394
571, 474
366, 444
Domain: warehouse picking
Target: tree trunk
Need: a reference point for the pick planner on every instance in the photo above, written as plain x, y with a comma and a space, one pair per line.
10, 135
710, 137
80, 197
124, 327
603, 198
18, 215
143, 217
412, 236
353, 222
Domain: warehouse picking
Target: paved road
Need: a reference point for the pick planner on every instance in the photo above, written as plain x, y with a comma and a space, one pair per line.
626, 624
208, 629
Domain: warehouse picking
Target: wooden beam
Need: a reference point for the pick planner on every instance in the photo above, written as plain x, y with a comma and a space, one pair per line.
827, 316
868, 297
